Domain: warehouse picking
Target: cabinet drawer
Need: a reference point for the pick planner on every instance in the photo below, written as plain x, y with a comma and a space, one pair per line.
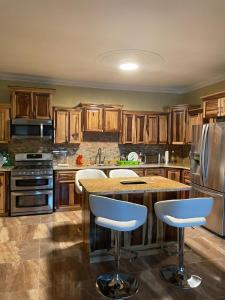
155, 172
66, 176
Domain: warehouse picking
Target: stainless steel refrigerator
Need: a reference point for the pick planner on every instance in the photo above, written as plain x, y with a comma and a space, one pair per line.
208, 171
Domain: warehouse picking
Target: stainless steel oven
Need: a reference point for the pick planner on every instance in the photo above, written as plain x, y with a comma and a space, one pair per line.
32, 184
19, 183
31, 202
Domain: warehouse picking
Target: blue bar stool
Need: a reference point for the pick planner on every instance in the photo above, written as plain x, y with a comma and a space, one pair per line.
182, 213
119, 216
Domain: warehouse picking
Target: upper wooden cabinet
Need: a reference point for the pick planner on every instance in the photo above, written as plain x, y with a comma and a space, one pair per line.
31, 103
129, 128
157, 129
214, 105
179, 123
101, 118
112, 119
140, 126
194, 118
67, 126
4, 123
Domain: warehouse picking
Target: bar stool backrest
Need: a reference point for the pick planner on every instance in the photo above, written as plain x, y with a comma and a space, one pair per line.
122, 173
87, 174
117, 210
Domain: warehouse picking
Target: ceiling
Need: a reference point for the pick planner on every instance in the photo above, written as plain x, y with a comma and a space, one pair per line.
64, 42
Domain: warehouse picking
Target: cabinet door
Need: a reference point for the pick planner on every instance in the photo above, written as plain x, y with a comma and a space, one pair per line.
112, 120
210, 108
179, 126
163, 129
140, 129
128, 129
140, 172
42, 106
173, 175
222, 106
61, 127
22, 105
4, 125
2, 193
195, 119
93, 119
152, 129
74, 127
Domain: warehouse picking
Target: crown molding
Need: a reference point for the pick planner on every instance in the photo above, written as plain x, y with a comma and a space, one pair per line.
204, 83
107, 86
87, 84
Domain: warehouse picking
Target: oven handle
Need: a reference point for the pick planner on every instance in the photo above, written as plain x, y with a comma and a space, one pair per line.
31, 193
31, 177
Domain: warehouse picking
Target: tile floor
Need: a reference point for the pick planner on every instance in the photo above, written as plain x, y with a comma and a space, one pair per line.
41, 258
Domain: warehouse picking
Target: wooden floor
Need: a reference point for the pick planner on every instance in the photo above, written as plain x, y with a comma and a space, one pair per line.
41, 258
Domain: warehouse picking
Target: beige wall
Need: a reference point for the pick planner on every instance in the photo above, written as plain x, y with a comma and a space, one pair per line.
194, 96
71, 96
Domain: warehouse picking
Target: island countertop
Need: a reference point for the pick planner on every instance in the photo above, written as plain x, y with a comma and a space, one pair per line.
154, 184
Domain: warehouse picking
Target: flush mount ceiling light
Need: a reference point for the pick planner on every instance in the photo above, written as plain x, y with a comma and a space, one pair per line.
129, 66
130, 60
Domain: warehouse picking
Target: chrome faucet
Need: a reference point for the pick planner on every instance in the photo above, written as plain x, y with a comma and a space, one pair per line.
98, 157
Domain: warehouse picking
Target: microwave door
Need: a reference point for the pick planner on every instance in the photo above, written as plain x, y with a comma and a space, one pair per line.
198, 133
214, 157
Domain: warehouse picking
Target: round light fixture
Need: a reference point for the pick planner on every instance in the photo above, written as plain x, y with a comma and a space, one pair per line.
129, 66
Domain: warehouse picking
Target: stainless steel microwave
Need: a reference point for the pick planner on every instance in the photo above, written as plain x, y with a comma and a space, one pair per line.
31, 128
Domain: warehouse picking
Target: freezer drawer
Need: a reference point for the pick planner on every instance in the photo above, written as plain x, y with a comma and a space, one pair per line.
215, 221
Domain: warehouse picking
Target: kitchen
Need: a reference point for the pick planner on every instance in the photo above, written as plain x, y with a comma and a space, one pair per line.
51, 129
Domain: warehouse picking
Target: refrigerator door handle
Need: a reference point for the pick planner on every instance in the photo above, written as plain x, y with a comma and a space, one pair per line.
202, 153
206, 161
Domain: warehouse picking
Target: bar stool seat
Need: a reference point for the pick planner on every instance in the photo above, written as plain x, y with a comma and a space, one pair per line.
182, 213
119, 216
180, 223
117, 225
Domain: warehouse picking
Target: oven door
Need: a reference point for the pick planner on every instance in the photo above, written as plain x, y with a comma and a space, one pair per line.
31, 202
21, 183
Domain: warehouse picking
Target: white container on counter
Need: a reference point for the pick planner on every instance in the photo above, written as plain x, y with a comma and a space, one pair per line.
166, 157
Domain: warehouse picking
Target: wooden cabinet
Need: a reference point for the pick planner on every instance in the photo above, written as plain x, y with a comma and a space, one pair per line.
128, 133
31, 103
214, 105
155, 172
4, 123
93, 117
163, 129
152, 131
101, 118
178, 117
157, 129
186, 179
65, 191
140, 172
174, 174
140, 126
4, 183
194, 118
179, 123
67, 126
112, 119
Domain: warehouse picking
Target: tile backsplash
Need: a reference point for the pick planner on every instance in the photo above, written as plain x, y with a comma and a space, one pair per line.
110, 150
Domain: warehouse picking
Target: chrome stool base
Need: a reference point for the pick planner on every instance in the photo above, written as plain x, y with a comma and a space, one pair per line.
117, 286
179, 278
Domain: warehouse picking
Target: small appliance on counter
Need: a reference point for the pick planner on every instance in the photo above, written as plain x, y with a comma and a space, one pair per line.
60, 158
32, 184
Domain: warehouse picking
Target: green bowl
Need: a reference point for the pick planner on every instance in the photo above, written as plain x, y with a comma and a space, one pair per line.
128, 162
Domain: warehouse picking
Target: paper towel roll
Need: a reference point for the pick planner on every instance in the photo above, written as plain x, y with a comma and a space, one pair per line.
166, 157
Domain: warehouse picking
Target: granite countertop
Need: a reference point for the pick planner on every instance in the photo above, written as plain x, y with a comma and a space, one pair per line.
153, 184
6, 168
74, 167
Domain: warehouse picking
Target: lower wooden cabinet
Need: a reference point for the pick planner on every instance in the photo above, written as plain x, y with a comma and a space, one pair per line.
65, 191
4, 183
186, 179
174, 174
155, 172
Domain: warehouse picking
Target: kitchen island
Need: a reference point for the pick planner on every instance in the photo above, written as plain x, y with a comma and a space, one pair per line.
152, 235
